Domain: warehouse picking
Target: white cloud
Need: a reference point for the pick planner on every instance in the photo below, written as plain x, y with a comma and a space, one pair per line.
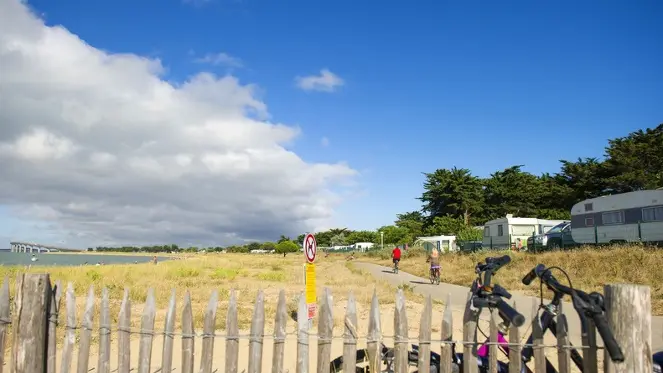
327, 81
223, 59
99, 146
324, 142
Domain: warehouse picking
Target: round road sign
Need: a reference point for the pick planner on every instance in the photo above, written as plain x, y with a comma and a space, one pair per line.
310, 248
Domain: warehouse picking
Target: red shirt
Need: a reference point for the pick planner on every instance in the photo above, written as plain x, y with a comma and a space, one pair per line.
396, 253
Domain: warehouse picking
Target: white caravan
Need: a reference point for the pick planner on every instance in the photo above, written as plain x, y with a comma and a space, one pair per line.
501, 233
626, 217
443, 243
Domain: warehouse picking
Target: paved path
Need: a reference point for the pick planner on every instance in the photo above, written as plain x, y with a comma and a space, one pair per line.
459, 297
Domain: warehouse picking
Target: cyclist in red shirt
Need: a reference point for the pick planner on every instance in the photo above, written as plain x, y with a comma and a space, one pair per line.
396, 256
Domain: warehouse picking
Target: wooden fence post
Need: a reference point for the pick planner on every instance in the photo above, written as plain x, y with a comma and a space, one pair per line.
30, 332
628, 308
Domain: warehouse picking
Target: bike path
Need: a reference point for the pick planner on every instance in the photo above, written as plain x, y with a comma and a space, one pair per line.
459, 297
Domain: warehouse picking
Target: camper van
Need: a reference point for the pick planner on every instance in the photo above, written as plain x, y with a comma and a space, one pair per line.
503, 232
618, 218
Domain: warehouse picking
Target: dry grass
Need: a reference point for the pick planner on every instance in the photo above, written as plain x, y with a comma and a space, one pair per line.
589, 268
203, 273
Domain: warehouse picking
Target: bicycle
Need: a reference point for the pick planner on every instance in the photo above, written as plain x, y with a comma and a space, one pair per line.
396, 261
435, 275
588, 306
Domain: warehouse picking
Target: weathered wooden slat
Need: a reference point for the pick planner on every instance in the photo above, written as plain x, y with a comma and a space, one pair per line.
425, 335
628, 309
515, 348
470, 316
562, 334
401, 339
590, 350
168, 335
325, 332
207, 352
4, 319
123, 335
537, 340
492, 348
256, 335
52, 329
188, 335
30, 323
70, 330
280, 320
302, 336
232, 335
103, 364
350, 336
446, 335
374, 341
86, 333
146, 333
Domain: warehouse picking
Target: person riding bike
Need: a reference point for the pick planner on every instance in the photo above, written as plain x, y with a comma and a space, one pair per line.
434, 260
396, 256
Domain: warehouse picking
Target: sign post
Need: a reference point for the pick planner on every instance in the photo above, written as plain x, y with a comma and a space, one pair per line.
310, 250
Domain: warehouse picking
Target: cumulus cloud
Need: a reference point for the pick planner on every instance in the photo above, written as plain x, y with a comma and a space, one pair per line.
327, 81
98, 145
223, 59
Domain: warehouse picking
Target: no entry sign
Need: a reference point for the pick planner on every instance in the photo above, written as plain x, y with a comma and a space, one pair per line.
310, 247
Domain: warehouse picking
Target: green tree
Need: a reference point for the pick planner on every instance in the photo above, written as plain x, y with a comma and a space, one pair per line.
413, 221
585, 178
286, 238
253, 246
635, 162
268, 246
467, 233
454, 192
445, 225
338, 240
285, 247
511, 191
394, 235
361, 236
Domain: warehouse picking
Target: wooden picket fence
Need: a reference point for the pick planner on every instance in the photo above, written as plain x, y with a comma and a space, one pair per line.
35, 317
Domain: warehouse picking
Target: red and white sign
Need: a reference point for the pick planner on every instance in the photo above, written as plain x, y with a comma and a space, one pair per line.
310, 247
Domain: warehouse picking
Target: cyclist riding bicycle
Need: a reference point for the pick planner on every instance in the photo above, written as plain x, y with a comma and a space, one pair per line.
434, 260
396, 255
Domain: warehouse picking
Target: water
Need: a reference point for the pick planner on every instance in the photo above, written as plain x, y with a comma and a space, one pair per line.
53, 259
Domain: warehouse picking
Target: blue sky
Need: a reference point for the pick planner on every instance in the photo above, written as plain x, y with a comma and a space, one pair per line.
428, 84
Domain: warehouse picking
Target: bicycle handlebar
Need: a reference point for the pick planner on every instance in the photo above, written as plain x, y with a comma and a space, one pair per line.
491, 266
590, 305
492, 295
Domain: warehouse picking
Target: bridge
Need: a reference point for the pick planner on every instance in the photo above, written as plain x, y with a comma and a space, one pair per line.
29, 247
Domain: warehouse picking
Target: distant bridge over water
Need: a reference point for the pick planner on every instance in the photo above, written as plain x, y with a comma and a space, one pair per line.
30, 247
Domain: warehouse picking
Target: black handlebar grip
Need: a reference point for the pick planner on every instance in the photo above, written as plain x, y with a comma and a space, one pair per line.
533, 274
508, 312
504, 260
529, 277
609, 341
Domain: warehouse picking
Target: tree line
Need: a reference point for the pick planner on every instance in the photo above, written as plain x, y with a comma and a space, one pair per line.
455, 202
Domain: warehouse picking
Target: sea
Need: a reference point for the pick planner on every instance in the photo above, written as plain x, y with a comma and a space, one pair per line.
8, 258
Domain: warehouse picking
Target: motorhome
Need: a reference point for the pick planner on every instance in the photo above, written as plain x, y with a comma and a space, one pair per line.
619, 218
504, 232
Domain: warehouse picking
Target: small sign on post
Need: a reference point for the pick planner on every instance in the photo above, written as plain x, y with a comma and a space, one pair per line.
310, 250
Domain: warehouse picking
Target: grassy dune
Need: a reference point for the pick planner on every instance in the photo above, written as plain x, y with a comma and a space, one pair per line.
203, 273
589, 268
